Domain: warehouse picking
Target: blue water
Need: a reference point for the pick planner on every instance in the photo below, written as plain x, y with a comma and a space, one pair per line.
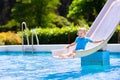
42, 66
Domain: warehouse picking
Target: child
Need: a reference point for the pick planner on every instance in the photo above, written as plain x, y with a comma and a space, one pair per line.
80, 43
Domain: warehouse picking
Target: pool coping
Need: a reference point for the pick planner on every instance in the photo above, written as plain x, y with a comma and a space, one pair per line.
110, 47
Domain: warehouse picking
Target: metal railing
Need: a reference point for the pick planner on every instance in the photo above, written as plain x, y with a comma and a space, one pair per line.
34, 33
24, 27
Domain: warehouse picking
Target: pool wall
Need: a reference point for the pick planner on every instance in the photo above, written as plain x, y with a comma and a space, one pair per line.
110, 47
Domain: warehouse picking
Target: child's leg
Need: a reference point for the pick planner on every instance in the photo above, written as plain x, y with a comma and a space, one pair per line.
62, 56
67, 55
71, 54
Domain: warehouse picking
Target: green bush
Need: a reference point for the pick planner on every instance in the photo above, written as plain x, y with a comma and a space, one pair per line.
53, 35
59, 35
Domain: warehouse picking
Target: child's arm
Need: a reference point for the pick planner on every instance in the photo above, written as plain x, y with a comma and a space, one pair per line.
72, 44
97, 41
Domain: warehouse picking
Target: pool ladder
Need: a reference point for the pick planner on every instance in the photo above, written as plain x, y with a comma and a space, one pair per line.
28, 48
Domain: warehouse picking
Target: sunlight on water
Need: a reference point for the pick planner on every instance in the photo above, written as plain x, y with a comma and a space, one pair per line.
42, 66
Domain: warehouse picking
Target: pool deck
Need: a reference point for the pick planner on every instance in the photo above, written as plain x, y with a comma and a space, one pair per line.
110, 47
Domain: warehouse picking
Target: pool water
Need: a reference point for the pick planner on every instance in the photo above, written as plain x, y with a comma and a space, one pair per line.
42, 66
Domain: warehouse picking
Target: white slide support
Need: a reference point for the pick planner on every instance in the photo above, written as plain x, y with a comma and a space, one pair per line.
103, 28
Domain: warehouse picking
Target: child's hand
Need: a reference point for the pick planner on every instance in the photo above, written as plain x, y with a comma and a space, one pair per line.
67, 46
72, 44
102, 40
98, 41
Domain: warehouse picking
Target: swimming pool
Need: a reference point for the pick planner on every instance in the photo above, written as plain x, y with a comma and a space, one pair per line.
42, 66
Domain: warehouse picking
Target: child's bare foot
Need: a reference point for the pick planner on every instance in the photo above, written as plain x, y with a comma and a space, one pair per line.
67, 55
62, 56
71, 55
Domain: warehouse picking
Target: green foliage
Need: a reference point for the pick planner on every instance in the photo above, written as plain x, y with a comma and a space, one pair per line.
57, 35
35, 12
118, 28
11, 25
9, 38
60, 22
87, 9
54, 35
62, 35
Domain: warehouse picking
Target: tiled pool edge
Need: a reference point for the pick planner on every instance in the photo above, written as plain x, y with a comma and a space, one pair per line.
36, 47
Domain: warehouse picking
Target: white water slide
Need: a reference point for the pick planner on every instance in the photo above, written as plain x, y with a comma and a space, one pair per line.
103, 28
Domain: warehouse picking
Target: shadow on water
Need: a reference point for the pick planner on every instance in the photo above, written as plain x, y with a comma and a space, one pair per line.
77, 74
65, 75
71, 75
81, 73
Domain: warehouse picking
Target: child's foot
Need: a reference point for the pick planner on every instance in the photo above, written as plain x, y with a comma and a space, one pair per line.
62, 56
